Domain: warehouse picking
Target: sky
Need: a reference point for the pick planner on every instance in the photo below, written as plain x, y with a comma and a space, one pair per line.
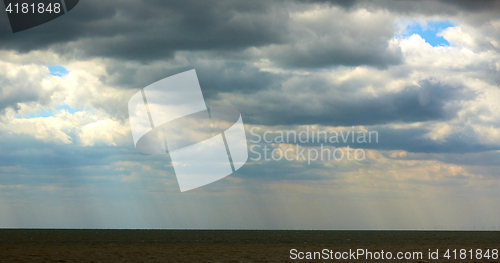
424, 76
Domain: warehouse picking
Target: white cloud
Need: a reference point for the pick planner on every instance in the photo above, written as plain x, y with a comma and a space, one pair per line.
83, 128
29, 88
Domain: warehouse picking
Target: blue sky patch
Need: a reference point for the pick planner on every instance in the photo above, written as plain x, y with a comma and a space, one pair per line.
58, 71
68, 108
37, 114
428, 32
48, 113
41, 113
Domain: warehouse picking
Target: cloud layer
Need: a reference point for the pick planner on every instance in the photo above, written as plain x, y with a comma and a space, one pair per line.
65, 140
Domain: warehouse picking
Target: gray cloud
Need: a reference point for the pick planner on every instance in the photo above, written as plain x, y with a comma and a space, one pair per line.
155, 30
329, 52
22, 87
340, 106
34, 162
411, 140
352, 38
484, 160
152, 30
215, 75
440, 7
414, 140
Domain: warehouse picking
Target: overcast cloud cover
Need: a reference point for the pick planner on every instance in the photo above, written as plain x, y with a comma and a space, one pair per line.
67, 157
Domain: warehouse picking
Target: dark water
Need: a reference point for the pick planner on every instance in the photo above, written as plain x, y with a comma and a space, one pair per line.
235, 246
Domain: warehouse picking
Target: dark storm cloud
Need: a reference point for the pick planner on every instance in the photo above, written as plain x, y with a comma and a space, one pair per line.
329, 54
155, 30
426, 7
215, 75
412, 140
151, 30
336, 106
235, 77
